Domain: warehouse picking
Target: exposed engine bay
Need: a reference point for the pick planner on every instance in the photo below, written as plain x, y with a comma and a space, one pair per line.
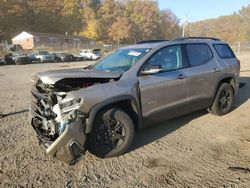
55, 111
48, 101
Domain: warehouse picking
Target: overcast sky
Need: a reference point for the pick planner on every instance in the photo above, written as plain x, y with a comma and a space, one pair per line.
202, 9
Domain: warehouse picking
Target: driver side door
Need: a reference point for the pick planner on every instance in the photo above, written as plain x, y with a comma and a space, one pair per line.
164, 94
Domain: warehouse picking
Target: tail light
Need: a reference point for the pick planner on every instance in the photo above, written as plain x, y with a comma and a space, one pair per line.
238, 61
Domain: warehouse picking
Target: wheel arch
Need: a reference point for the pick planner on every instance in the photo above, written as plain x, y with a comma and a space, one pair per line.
229, 80
215, 109
127, 103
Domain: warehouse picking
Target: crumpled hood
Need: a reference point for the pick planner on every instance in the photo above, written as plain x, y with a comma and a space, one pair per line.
51, 77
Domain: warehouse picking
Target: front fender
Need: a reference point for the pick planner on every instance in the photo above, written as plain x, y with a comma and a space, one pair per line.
107, 103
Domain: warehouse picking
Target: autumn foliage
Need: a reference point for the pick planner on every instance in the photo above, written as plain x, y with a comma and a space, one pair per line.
232, 28
120, 29
113, 21
104, 20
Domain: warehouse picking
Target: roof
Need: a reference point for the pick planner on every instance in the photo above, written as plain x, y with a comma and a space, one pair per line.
152, 41
23, 35
31, 34
196, 38
163, 43
148, 45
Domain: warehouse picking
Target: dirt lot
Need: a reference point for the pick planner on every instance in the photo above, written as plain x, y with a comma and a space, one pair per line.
197, 150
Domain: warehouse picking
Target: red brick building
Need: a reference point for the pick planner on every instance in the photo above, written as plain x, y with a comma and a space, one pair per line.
34, 40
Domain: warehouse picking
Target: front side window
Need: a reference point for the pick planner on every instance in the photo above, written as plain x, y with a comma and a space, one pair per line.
121, 60
198, 54
169, 58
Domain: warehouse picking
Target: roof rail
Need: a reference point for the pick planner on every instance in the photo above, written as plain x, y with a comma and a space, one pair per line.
190, 38
151, 41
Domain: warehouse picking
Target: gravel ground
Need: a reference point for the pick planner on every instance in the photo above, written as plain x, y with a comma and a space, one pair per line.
197, 150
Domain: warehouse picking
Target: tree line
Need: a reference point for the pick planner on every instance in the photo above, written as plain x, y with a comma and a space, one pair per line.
107, 21
114, 21
232, 28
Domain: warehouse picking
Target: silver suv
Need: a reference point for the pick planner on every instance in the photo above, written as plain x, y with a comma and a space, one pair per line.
98, 108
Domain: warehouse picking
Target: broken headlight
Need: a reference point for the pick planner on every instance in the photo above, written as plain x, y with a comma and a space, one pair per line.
71, 104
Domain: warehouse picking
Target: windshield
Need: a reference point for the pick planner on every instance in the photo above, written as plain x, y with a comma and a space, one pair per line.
43, 53
96, 51
121, 60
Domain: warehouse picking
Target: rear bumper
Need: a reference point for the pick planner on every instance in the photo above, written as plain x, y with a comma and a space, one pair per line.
69, 146
236, 84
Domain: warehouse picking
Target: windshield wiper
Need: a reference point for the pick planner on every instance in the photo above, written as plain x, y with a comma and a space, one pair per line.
88, 67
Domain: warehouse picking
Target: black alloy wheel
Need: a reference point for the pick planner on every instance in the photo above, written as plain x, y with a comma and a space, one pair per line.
112, 133
223, 101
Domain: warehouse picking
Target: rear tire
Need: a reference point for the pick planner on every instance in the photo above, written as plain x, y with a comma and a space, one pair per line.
223, 101
112, 133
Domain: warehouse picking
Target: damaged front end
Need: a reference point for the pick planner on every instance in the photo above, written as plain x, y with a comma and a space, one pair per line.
58, 123
56, 117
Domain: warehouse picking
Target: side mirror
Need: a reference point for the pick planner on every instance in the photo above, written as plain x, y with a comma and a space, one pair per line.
153, 69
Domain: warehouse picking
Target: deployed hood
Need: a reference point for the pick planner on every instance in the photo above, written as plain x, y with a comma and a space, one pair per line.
51, 77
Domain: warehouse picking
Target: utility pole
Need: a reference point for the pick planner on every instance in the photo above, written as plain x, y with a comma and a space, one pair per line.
239, 41
184, 26
238, 51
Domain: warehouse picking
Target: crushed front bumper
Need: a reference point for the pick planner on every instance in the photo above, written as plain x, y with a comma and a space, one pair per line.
69, 146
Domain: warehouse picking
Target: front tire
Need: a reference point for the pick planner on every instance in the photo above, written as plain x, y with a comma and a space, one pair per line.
223, 101
112, 133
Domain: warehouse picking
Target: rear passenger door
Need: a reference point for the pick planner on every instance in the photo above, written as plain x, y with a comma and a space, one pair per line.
203, 73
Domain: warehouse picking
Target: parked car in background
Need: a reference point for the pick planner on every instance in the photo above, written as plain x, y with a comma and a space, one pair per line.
63, 57
17, 58
8, 59
107, 48
91, 54
20, 58
78, 57
41, 56
2, 62
33, 57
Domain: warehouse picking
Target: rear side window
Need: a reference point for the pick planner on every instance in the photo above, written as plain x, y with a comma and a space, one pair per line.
198, 54
224, 51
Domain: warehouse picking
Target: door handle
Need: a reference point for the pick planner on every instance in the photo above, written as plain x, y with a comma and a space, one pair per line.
216, 70
181, 76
